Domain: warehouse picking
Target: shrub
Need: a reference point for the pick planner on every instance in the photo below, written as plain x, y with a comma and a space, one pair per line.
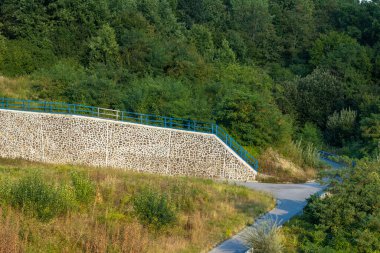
264, 238
84, 189
310, 133
32, 195
153, 209
341, 126
346, 219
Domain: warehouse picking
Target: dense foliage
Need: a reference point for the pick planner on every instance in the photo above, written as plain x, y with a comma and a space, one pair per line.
267, 70
347, 219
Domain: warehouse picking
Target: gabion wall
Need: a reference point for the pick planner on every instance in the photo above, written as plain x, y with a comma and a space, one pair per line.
65, 139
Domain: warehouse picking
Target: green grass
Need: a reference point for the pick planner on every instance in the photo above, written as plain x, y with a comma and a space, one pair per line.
60, 208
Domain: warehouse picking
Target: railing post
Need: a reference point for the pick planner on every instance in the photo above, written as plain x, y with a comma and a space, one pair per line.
164, 121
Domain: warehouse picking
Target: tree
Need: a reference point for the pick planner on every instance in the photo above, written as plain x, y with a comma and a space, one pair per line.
2, 48
251, 21
103, 48
295, 25
23, 19
225, 54
340, 53
74, 22
314, 97
202, 38
210, 12
370, 132
253, 119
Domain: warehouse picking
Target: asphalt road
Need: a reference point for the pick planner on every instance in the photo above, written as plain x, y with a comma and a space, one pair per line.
291, 199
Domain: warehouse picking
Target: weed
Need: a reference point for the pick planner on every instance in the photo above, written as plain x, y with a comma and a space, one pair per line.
83, 187
264, 238
32, 195
153, 209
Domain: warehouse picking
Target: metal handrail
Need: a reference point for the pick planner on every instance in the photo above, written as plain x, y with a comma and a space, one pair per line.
133, 117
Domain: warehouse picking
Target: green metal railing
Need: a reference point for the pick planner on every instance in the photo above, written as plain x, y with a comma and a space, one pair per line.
139, 118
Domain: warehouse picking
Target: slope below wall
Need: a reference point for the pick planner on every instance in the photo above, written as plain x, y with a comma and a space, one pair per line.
65, 139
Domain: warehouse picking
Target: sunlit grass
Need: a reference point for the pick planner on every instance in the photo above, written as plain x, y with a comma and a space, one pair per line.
16, 87
202, 212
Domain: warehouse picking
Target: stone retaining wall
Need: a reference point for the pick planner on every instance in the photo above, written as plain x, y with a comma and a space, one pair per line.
66, 139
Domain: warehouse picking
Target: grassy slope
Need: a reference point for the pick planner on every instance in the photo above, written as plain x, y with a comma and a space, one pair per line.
207, 212
15, 87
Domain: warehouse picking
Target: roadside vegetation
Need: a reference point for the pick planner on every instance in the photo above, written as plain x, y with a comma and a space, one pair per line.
53, 208
345, 219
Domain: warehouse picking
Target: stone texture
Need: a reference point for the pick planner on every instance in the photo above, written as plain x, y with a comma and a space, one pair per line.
65, 139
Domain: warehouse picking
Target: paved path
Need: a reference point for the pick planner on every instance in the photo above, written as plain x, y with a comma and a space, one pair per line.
291, 199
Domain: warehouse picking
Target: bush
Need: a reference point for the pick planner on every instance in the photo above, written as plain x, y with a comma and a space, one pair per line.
341, 126
32, 195
153, 209
310, 133
84, 189
345, 220
264, 238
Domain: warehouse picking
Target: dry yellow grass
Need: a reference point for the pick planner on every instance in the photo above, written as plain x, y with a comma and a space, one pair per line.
209, 212
16, 87
279, 169
9, 233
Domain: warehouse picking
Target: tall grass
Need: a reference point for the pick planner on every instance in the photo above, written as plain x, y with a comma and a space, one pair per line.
84, 188
296, 162
16, 88
264, 238
117, 211
308, 152
302, 153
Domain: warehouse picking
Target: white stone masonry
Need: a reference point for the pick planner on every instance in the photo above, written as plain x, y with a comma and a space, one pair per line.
67, 139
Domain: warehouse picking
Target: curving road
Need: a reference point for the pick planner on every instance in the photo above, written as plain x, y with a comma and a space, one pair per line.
291, 199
